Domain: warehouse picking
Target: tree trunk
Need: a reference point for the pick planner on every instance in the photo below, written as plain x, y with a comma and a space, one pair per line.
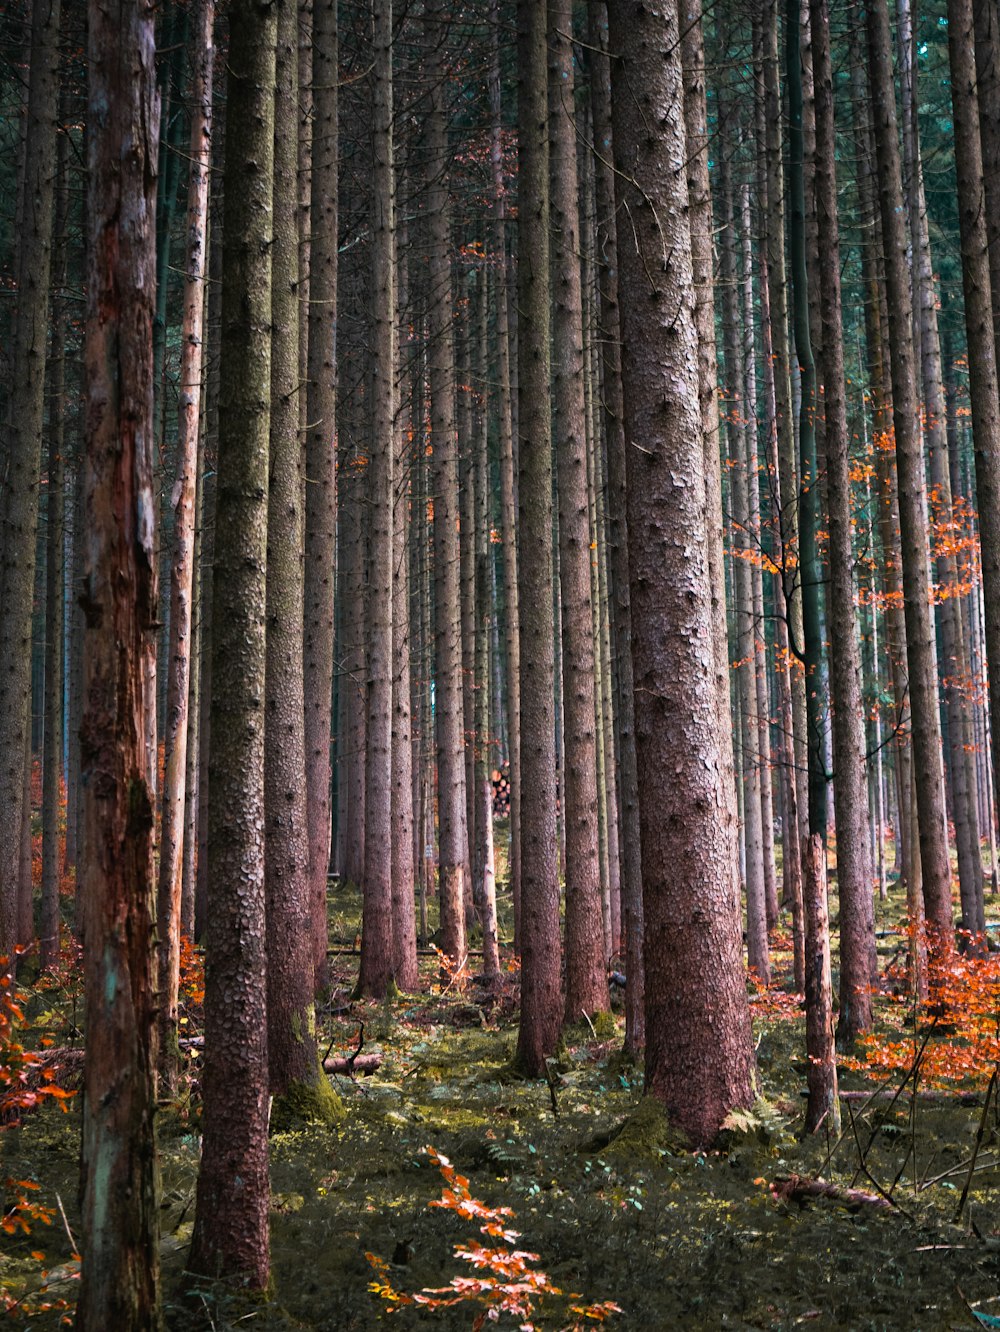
935, 870
23, 460
119, 1284
858, 963
586, 954
377, 953
824, 1104
614, 439
321, 468
231, 1238
699, 1056
168, 904
541, 1008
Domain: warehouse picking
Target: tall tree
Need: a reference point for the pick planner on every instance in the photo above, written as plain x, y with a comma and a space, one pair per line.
858, 966
168, 907
23, 452
586, 950
540, 949
119, 1284
699, 1058
321, 466
452, 833
935, 870
231, 1237
377, 952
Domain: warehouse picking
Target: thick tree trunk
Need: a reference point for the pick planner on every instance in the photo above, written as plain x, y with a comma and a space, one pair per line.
231, 1237
119, 1284
541, 1007
699, 1057
294, 1071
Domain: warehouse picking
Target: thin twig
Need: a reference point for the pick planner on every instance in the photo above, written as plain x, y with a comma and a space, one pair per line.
980, 1131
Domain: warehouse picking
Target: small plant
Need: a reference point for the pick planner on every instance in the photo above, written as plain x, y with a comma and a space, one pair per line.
506, 1280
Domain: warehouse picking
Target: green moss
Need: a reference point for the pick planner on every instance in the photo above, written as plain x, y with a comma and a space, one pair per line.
307, 1103
646, 1135
605, 1026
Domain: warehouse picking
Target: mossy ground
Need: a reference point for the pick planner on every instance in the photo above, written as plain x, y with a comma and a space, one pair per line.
677, 1239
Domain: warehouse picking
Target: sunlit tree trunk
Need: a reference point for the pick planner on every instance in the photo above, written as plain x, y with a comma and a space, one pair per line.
182, 571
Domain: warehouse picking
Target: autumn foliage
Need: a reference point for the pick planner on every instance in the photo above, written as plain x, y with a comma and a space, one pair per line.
505, 1280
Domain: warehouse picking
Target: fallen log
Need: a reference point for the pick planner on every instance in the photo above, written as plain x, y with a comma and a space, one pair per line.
923, 1094
796, 1188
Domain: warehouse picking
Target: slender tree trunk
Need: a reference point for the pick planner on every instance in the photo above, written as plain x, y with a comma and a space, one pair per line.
981, 334
824, 1104
452, 831
231, 1236
119, 1284
614, 438
541, 1006
23, 452
858, 963
168, 904
935, 870
321, 468
699, 1057
377, 953
586, 955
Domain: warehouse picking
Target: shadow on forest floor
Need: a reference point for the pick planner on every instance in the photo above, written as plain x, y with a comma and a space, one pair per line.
676, 1239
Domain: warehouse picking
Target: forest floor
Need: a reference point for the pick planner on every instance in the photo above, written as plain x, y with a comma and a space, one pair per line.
677, 1239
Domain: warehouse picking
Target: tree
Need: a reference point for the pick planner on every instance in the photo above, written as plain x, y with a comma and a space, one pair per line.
182, 570
538, 1031
321, 466
23, 454
699, 1058
120, 1278
377, 952
230, 1237
586, 949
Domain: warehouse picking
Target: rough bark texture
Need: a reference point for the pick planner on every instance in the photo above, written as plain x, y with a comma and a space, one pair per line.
935, 870
540, 949
586, 952
699, 1058
231, 1238
120, 1211
321, 468
979, 326
168, 904
614, 443
23, 451
377, 954
858, 964
293, 1059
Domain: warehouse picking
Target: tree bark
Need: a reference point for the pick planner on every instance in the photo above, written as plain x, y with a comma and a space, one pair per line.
231, 1236
541, 1005
119, 1284
699, 1057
